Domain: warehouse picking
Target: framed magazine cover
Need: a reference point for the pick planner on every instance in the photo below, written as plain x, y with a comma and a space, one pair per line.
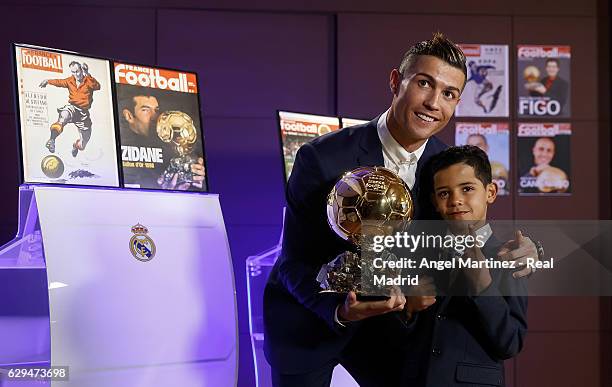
65, 117
544, 81
544, 158
346, 122
161, 141
295, 129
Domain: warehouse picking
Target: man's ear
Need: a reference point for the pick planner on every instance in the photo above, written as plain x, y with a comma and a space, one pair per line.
491, 192
394, 81
127, 114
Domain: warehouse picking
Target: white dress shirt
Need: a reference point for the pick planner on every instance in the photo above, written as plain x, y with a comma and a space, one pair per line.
396, 157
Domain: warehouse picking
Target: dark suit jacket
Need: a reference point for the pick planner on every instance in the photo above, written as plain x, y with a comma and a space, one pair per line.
300, 332
463, 340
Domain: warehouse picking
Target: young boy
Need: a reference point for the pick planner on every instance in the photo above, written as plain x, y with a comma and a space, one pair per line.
463, 338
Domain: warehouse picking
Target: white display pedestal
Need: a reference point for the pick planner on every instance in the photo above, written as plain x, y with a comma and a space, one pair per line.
119, 319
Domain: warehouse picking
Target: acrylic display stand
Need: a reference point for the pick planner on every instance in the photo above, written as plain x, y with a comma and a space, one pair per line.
258, 268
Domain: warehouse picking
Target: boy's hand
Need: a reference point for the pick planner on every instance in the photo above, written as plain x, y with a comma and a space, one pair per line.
479, 278
519, 249
420, 297
354, 310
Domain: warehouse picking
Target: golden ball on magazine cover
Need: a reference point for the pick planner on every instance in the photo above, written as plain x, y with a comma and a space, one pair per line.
178, 128
52, 166
323, 129
552, 179
531, 74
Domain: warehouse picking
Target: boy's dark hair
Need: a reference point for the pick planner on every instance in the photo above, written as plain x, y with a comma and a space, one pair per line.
465, 154
440, 47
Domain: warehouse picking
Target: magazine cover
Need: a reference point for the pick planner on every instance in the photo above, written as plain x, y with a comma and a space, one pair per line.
544, 158
346, 122
160, 129
494, 139
544, 81
297, 129
66, 119
486, 89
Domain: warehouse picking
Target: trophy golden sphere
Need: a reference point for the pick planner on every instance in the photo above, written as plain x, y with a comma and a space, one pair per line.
178, 128
369, 200
531, 74
52, 166
552, 179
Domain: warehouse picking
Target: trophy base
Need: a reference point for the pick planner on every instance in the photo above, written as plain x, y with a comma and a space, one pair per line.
181, 167
360, 297
365, 297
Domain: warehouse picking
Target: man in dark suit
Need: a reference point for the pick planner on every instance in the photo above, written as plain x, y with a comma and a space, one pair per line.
308, 333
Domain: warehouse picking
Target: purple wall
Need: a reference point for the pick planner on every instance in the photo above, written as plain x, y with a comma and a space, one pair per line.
333, 57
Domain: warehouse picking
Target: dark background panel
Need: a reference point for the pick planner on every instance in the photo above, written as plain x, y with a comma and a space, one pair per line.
564, 314
106, 32
251, 64
9, 176
550, 8
370, 46
560, 359
509, 366
245, 167
477, 7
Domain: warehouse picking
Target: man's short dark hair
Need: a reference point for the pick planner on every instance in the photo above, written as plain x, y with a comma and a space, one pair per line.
555, 60
127, 101
74, 62
440, 47
465, 154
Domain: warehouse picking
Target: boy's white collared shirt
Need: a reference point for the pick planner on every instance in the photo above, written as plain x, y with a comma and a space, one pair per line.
397, 158
484, 232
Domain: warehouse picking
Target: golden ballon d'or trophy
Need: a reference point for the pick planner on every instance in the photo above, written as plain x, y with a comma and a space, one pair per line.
178, 128
365, 202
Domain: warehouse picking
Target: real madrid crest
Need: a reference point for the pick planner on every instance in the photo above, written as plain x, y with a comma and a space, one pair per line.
141, 245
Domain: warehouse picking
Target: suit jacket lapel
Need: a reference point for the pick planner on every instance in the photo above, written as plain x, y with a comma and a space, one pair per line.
370, 153
431, 149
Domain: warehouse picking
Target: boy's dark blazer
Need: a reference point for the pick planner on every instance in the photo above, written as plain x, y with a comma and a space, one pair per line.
300, 332
463, 340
